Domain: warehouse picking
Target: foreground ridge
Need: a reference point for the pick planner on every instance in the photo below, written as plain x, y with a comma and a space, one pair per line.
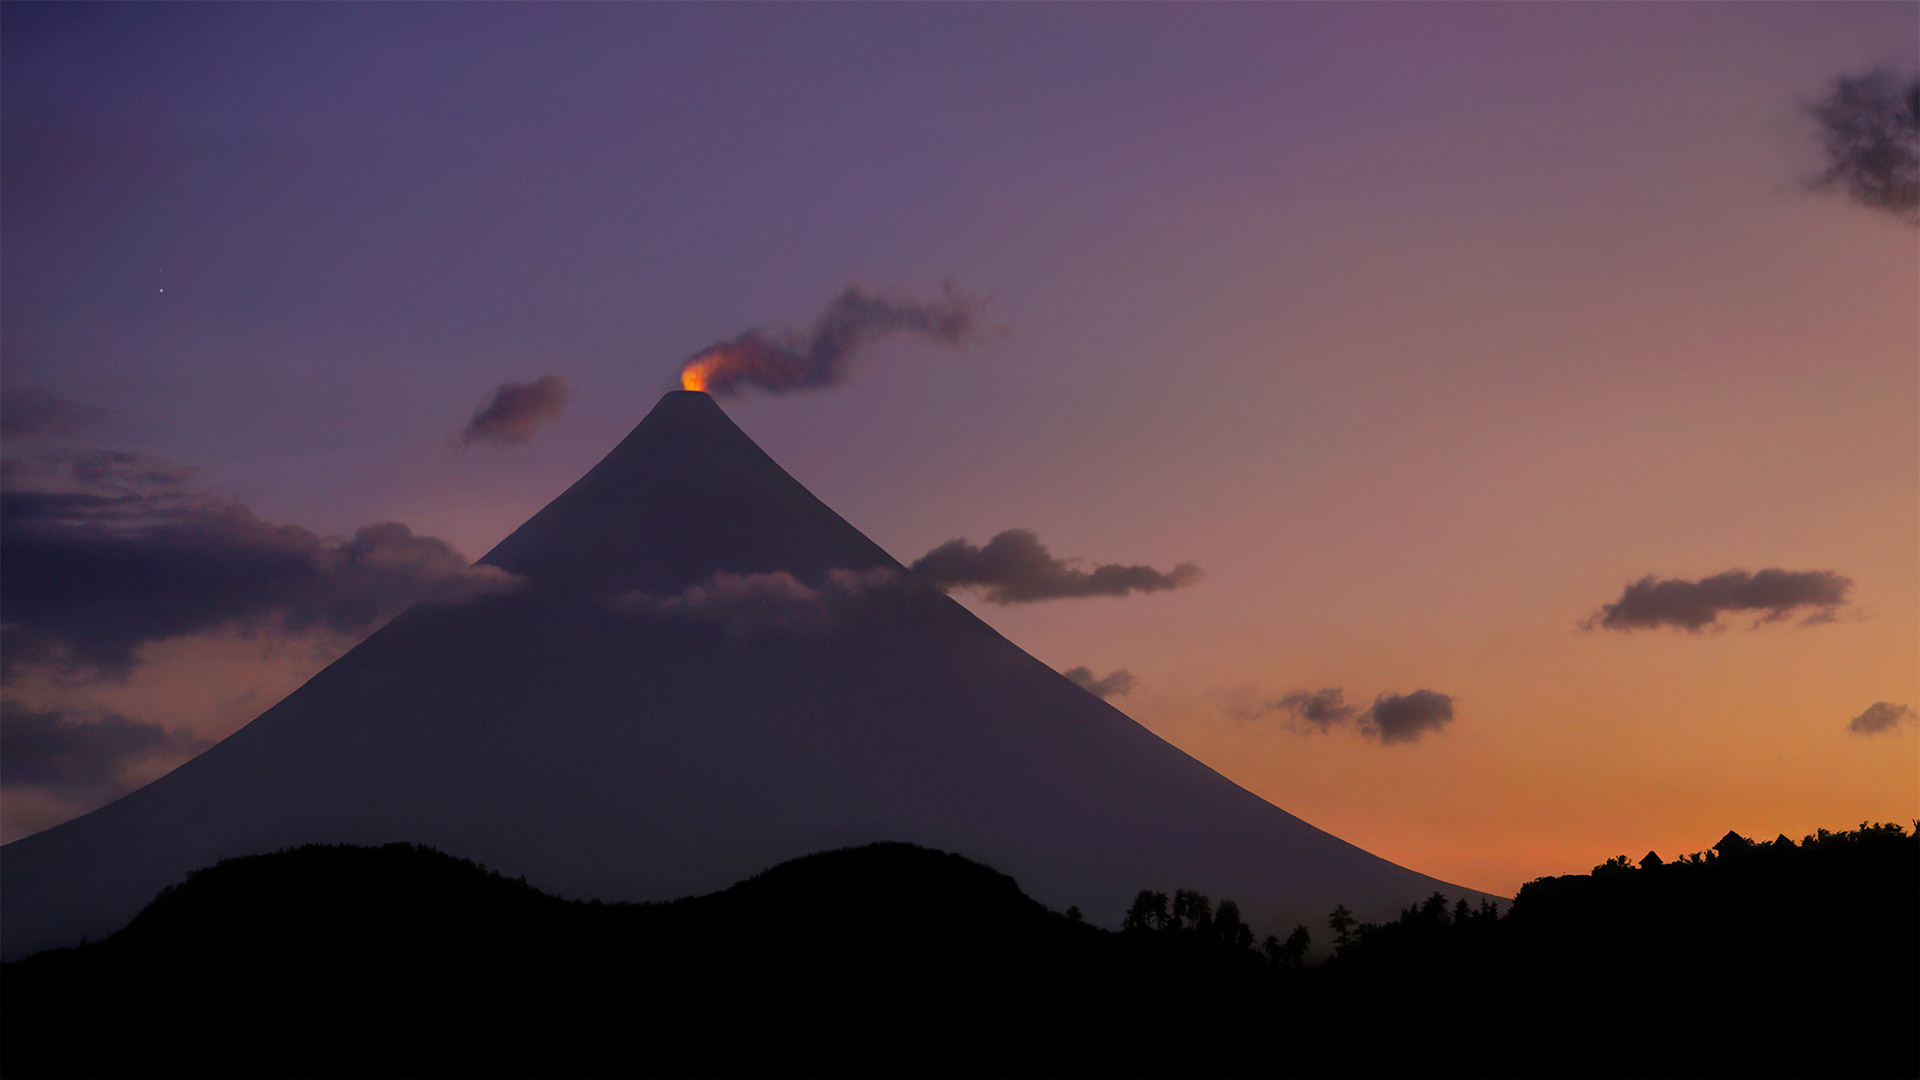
896, 959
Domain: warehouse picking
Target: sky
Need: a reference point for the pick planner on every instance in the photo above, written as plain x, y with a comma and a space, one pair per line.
1506, 453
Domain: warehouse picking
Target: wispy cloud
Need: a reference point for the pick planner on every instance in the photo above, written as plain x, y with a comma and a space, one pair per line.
1318, 710
747, 605
1870, 133
516, 412
1015, 567
1880, 718
105, 550
79, 756
1116, 683
1389, 720
28, 411
1696, 606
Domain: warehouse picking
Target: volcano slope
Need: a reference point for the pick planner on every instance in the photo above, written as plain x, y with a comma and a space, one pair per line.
705, 671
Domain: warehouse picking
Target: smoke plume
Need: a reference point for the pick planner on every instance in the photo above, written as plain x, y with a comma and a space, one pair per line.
780, 361
1015, 567
1695, 606
515, 412
1870, 132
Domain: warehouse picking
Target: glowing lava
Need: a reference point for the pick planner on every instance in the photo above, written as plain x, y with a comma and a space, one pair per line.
697, 372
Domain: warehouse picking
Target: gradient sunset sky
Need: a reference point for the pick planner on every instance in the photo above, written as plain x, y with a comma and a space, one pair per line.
1423, 331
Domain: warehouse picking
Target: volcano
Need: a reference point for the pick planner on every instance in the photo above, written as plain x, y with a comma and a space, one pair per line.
705, 672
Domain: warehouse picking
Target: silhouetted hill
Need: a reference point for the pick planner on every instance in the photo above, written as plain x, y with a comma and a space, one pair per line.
1770, 959
401, 960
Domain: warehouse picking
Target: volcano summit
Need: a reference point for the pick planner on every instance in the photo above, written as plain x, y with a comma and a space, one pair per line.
704, 672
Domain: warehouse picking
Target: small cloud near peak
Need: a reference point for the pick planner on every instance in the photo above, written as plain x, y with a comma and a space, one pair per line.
1015, 568
1119, 682
516, 412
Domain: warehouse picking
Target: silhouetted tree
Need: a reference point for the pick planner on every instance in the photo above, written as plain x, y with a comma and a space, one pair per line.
1295, 950
1229, 929
1342, 922
1191, 909
1149, 912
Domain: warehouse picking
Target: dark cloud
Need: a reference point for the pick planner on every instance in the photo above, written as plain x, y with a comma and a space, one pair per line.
1119, 682
1392, 718
105, 550
780, 361
515, 412
1870, 131
1696, 605
1398, 718
1881, 716
746, 605
78, 756
1318, 710
1014, 567
27, 411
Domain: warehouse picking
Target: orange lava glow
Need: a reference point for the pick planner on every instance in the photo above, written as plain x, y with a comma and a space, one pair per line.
693, 377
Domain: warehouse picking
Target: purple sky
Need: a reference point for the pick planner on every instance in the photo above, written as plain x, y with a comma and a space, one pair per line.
1422, 330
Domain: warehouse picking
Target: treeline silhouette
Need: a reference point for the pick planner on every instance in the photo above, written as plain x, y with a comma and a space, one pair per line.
1767, 959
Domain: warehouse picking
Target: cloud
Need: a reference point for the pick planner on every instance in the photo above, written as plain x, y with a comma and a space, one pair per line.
105, 550
1398, 718
1870, 132
1014, 568
1696, 605
515, 412
746, 605
1120, 682
1318, 710
781, 361
1392, 718
29, 411
1881, 716
81, 755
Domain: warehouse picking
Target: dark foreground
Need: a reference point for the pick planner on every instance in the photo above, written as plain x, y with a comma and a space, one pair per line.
1750, 960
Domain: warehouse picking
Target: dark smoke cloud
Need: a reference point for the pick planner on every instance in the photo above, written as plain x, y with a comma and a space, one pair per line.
746, 605
28, 411
105, 550
1318, 710
1870, 131
1696, 605
1881, 716
779, 361
1120, 682
1392, 718
1398, 718
80, 755
515, 412
1014, 567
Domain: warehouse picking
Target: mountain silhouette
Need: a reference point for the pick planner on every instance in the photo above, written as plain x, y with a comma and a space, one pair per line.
705, 673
